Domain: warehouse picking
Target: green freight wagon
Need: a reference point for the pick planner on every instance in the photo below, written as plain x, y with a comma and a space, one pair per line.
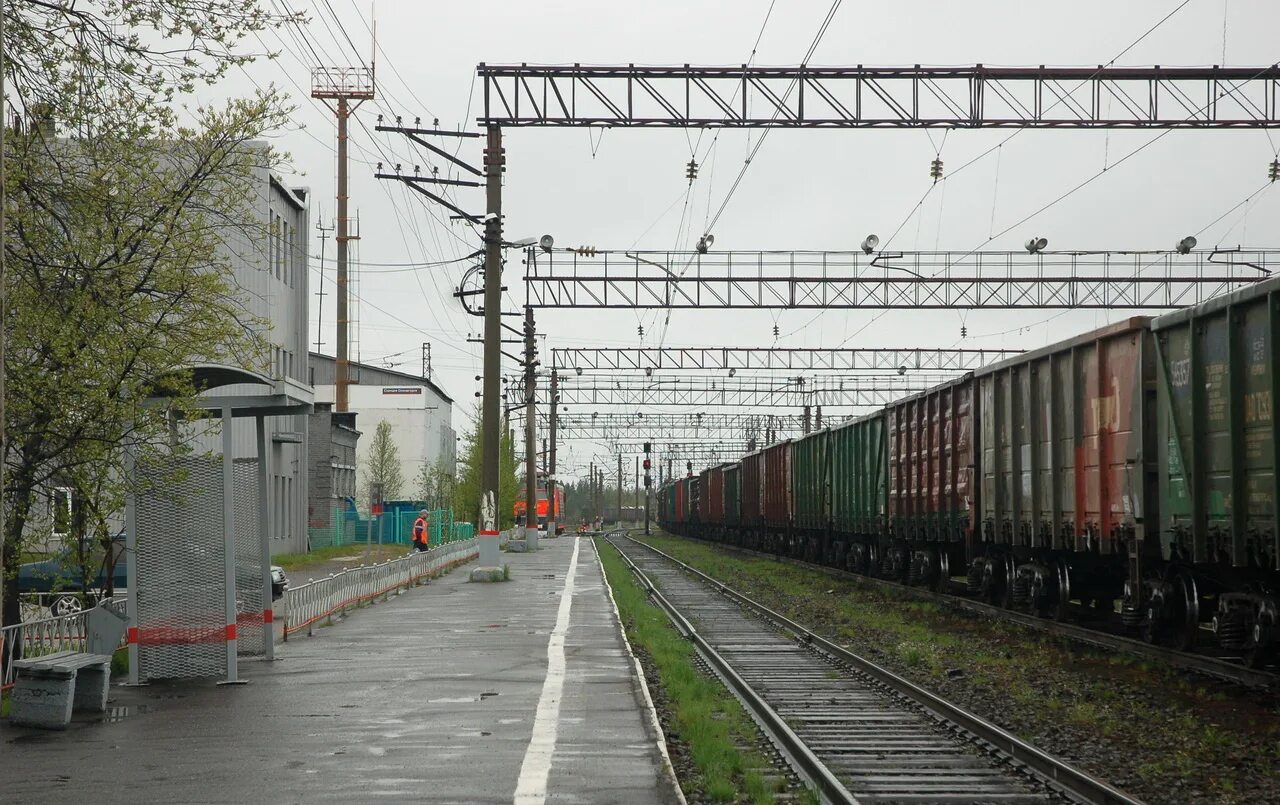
733, 500
1218, 522
859, 491
811, 494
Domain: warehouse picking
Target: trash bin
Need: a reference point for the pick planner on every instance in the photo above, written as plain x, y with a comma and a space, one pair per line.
105, 628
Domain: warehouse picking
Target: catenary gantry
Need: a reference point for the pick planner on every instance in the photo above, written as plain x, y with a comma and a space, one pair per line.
571, 360
702, 391
852, 279
863, 96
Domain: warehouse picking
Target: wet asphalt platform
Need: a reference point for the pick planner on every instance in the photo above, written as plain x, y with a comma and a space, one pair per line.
442, 694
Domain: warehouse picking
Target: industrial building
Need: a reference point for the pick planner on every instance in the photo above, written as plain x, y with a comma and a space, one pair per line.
419, 412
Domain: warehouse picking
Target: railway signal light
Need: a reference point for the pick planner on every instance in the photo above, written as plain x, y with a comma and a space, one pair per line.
647, 445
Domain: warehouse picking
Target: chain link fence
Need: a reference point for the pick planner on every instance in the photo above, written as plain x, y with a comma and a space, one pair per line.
347, 527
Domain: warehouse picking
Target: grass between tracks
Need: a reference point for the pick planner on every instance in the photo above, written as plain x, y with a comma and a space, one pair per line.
703, 715
1163, 735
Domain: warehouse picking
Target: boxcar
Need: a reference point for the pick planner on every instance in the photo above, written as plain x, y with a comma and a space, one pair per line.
858, 487
1063, 472
930, 496
775, 493
751, 499
1217, 445
732, 500
711, 486
811, 493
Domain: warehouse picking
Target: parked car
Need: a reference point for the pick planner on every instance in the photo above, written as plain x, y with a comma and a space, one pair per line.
279, 582
56, 583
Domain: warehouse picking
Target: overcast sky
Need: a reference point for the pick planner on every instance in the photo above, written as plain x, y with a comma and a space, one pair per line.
805, 190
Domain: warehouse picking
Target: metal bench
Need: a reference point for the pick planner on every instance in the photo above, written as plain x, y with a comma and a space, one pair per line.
48, 688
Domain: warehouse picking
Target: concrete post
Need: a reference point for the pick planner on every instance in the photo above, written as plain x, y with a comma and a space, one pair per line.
491, 437
552, 407
264, 535
131, 558
229, 543
530, 436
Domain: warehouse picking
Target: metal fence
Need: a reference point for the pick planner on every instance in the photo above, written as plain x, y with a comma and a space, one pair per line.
347, 527
46, 636
321, 599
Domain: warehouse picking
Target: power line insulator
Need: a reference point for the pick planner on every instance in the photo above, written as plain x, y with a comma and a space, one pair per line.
1273, 172
964, 331
586, 251
640, 330
691, 171
935, 169
775, 331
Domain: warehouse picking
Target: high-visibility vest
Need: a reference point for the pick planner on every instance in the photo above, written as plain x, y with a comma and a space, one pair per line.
420, 530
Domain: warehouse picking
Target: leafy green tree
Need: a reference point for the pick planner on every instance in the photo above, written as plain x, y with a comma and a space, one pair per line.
115, 281
467, 494
434, 485
382, 464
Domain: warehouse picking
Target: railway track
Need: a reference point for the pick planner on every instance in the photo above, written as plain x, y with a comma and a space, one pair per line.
1225, 669
853, 730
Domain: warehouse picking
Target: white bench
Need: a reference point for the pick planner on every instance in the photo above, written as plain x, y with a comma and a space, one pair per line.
49, 688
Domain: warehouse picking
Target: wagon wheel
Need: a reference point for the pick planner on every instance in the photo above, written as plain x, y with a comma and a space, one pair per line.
943, 581
66, 605
1187, 605
1062, 607
1008, 569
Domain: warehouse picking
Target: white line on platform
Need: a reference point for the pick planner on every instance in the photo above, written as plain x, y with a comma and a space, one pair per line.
531, 789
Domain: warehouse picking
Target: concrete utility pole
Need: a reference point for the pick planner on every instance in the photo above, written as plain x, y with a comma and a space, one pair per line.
342, 85
635, 501
551, 458
530, 441
324, 237
619, 520
491, 402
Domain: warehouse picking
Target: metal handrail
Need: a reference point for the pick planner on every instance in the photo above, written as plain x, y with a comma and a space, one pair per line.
45, 636
320, 599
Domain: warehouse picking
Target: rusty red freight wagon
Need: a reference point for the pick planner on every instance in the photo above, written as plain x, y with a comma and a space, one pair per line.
931, 501
1064, 476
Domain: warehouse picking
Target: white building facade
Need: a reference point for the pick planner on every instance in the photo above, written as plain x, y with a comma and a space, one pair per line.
419, 412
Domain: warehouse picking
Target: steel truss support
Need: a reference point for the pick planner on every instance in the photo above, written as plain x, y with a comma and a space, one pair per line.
702, 391
599, 426
569, 360
819, 280
880, 97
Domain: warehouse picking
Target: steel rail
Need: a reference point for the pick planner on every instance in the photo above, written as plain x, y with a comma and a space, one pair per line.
802, 758
1048, 768
1216, 667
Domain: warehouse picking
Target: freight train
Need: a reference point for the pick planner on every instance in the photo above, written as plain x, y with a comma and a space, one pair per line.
1135, 464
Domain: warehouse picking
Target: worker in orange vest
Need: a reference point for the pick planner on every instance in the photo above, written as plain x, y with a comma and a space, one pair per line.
421, 534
